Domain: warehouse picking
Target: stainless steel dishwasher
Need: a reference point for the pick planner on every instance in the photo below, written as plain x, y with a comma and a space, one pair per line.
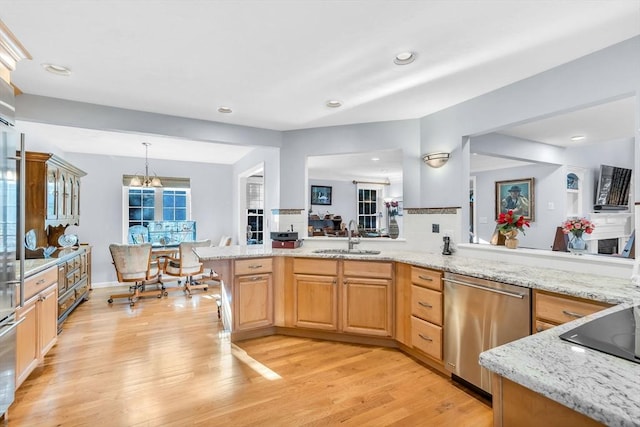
478, 315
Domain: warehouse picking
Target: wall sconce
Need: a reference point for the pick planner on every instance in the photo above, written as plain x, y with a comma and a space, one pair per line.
436, 160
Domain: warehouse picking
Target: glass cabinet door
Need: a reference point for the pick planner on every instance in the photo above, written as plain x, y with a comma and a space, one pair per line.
52, 192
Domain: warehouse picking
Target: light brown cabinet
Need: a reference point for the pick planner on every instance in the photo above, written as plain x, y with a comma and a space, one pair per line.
368, 298
52, 197
551, 309
315, 294
426, 311
343, 296
37, 331
253, 287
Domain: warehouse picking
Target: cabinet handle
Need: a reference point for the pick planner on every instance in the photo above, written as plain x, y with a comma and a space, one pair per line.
425, 304
335, 281
573, 314
255, 266
427, 278
40, 282
426, 338
254, 278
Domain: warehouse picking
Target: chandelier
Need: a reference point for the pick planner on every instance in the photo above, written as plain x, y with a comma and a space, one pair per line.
147, 181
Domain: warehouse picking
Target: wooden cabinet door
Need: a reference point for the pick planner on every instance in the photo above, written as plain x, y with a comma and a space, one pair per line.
27, 355
368, 306
52, 193
47, 320
254, 301
315, 301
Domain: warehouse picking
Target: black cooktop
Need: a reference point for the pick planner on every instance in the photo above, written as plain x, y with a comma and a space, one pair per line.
617, 334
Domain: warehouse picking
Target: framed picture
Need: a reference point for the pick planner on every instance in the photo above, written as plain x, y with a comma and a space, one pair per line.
320, 195
516, 195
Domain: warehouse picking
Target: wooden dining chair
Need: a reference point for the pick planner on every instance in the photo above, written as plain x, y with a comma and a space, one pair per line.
133, 264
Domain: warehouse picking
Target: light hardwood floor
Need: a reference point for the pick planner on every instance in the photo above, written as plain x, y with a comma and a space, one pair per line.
166, 362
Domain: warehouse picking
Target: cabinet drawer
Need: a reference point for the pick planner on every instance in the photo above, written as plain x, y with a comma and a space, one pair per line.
253, 266
39, 282
66, 302
431, 279
426, 304
323, 267
426, 337
561, 309
383, 270
80, 290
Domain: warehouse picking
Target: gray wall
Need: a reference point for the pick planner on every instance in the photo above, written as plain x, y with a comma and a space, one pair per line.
604, 75
299, 144
101, 221
550, 184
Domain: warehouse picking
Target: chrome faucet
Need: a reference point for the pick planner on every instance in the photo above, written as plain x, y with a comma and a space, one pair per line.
351, 228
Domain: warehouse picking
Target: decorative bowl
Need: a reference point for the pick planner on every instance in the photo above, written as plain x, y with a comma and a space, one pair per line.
67, 240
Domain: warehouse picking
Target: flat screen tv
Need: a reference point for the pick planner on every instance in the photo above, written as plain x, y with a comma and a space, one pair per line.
613, 188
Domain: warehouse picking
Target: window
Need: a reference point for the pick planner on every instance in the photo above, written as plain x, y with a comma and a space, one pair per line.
144, 204
368, 209
141, 206
174, 205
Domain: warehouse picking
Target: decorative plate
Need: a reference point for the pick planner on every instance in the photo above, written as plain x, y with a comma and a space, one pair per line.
30, 240
67, 240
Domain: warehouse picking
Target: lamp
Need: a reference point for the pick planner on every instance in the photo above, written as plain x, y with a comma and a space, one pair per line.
436, 160
147, 181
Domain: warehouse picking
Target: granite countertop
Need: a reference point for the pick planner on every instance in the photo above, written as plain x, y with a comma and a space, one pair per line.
36, 265
582, 285
600, 386
603, 387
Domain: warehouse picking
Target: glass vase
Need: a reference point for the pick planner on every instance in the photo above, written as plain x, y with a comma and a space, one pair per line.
394, 230
577, 244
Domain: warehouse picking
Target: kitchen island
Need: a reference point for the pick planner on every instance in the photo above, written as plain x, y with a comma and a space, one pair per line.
602, 387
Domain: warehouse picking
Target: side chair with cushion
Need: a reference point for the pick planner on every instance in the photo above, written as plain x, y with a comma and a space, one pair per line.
133, 264
225, 241
188, 265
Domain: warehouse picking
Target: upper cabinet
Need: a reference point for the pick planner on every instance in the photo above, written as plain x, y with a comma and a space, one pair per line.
52, 196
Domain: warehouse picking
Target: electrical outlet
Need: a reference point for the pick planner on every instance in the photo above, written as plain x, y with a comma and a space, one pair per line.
435, 228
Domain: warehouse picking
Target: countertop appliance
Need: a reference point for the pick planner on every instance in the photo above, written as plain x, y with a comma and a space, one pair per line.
284, 236
616, 333
10, 203
478, 315
285, 240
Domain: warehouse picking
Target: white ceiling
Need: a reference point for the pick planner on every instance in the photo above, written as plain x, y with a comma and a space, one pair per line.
276, 63
376, 166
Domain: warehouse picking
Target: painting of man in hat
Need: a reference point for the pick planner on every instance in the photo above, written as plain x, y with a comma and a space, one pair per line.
515, 196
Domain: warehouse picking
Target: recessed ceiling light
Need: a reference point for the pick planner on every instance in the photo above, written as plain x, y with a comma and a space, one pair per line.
375, 159
225, 110
404, 58
578, 138
58, 70
332, 103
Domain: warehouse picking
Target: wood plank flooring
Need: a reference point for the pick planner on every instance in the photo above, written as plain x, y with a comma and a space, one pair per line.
166, 362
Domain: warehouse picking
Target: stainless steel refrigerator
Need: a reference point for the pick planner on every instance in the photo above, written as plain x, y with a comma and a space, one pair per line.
10, 250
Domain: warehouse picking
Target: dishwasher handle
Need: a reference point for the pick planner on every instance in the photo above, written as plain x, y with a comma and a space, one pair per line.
485, 288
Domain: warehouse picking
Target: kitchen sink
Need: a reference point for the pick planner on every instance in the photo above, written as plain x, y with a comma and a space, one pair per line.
346, 251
